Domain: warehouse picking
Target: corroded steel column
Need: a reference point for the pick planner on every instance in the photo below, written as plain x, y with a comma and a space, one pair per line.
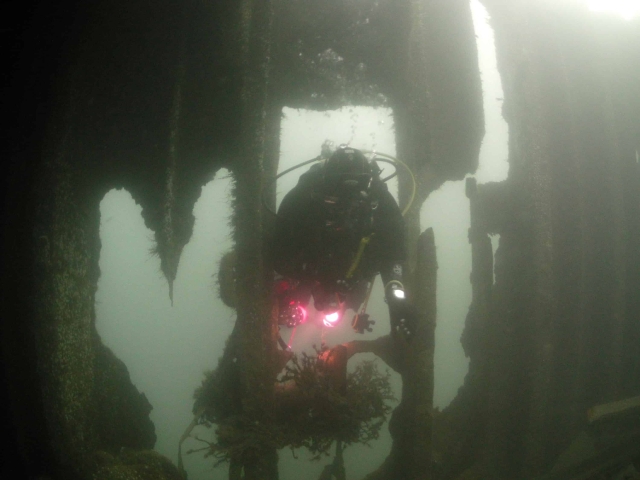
255, 332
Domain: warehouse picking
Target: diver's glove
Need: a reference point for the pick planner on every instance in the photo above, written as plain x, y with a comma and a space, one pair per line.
402, 313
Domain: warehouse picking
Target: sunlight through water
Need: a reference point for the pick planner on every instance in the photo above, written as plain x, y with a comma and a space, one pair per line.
628, 9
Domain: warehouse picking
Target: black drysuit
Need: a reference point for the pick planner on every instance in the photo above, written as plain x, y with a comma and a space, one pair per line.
319, 232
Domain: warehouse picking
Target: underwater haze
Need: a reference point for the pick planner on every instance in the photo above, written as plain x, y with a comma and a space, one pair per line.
167, 349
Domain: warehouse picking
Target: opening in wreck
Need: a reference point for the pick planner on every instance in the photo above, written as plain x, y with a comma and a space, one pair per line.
165, 348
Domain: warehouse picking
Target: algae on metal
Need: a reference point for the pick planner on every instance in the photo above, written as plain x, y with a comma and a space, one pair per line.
556, 333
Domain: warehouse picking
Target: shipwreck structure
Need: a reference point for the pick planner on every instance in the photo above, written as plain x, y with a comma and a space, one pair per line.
557, 332
156, 97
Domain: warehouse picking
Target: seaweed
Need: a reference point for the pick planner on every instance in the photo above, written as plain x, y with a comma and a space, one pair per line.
312, 410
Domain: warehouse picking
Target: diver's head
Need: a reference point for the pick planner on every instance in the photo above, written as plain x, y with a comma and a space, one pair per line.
347, 170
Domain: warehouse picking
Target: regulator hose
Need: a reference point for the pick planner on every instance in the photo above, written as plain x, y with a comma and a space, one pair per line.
383, 157
386, 158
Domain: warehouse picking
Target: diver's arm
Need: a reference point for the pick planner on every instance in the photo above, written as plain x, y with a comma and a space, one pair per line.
391, 241
292, 226
392, 279
287, 244
402, 314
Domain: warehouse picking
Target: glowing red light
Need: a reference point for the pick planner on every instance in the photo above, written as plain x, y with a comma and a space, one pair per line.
331, 319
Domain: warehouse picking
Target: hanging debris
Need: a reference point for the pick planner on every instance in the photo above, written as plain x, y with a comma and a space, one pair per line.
316, 404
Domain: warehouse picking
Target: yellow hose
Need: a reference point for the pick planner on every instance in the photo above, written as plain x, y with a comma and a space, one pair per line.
365, 240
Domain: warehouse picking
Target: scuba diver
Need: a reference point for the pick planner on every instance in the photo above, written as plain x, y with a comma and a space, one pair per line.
335, 231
